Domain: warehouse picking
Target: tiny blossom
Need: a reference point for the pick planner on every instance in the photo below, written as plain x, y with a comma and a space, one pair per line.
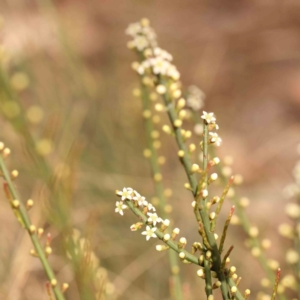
126, 193
119, 207
140, 42
133, 29
159, 65
151, 207
215, 138
208, 117
149, 232
154, 218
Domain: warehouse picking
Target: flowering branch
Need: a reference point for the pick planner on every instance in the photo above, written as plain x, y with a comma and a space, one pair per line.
18, 207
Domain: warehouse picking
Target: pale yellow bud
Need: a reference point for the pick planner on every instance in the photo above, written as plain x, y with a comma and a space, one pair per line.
167, 129
168, 208
292, 256
188, 134
16, 203
136, 92
216, 160
145, 22
212, 215
157, 177
32, 229
182, 114
161, 89
292, 210
147, 153
192, 148
48, 250
238, 179
168, 192
64, 287
176, 94
147, 114
6, 152
53, 282
214, 176
244, 202
159, 107
29, 203
177, 123
14, 174
181, 104
181, 153
255, 251
266, 243
195, 168
233, 289
253, 231
155, 134
187, 186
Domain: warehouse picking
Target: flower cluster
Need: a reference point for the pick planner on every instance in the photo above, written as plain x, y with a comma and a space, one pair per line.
128, 194
157, 61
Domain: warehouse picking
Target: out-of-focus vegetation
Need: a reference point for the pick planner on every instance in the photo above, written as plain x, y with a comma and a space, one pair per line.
76, 132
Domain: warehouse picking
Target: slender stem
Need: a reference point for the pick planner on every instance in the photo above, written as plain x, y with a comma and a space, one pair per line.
34, 238
245, 223
159, 188
193, 182
208, 283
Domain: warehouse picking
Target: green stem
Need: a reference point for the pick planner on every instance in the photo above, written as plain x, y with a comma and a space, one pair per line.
159, 188
244, 220
193, 182
34, 238
208, 283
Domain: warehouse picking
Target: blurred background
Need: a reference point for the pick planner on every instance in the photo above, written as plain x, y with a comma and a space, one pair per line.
76, 131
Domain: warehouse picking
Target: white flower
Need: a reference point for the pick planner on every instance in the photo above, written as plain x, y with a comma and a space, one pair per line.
208, 117
149, 232
140, 199
119, 207
154, 218
140, 42
166, 55
126, 193
159, 65
150, 34
133, 29
214, 138
151, 207
173, 72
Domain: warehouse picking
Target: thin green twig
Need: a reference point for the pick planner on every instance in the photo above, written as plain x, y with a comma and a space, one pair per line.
34, 238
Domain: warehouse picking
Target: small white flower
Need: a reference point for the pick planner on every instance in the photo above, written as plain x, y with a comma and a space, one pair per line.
166, 55
126, 193
173, 72
151, 207
208, 117
159, 65
214, 138
140, 42
140, 199
154, 218
133, 29
120, 206
149, 232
